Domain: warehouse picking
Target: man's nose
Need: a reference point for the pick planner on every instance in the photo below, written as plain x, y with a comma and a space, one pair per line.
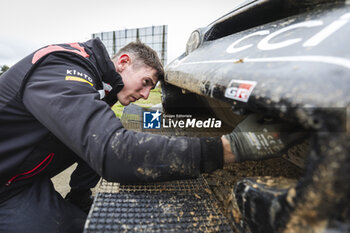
145, 93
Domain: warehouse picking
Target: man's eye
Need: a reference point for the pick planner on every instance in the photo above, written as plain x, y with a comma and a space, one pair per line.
145, 82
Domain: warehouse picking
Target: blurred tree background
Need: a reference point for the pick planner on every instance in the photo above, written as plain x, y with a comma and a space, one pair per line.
3, 69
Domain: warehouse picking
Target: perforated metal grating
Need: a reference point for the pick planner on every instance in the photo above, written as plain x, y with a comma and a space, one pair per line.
194, 185
179, 206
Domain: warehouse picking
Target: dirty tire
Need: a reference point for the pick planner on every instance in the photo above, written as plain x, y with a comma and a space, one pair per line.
175, 102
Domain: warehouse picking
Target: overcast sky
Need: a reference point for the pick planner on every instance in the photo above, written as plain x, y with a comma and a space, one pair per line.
29, 24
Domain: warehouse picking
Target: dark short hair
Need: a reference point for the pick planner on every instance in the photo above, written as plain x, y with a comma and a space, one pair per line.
145, 54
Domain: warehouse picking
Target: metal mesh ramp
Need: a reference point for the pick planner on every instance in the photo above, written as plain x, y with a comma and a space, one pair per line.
179, 206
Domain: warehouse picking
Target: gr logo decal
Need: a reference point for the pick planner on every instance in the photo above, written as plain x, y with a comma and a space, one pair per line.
240, 90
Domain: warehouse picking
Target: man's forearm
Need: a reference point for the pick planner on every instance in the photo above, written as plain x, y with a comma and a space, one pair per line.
229, 157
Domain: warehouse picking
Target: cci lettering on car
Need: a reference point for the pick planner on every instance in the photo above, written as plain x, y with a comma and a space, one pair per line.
240, 90
266, 44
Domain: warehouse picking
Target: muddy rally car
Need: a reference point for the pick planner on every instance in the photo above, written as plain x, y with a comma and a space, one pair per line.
288, 60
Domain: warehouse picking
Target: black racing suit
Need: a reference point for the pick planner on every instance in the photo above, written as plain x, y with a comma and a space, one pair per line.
53, 107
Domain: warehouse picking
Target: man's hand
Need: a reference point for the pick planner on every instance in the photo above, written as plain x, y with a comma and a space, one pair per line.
257, 138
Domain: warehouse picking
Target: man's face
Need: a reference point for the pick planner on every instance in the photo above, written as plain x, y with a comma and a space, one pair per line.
138, 80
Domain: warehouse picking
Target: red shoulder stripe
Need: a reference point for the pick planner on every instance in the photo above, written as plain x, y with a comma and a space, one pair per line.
52, 48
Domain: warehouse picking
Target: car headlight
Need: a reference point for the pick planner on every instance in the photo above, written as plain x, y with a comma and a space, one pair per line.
193, 42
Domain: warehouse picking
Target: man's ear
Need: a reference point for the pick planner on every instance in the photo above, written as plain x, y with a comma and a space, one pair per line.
123, 61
